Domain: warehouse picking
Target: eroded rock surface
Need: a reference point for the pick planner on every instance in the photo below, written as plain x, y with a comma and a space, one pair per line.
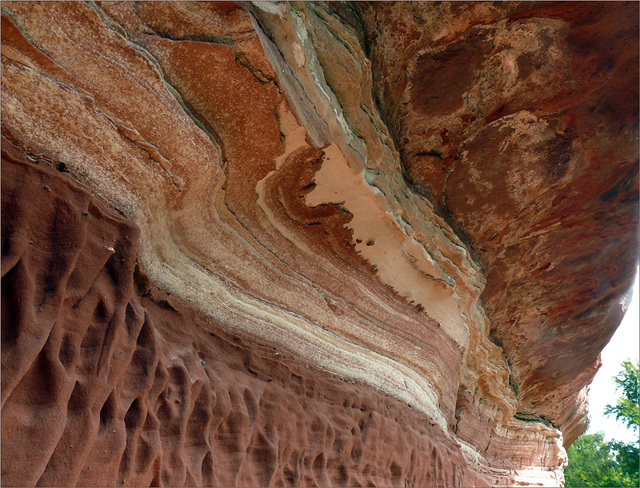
121, 384
520, 124
311, 244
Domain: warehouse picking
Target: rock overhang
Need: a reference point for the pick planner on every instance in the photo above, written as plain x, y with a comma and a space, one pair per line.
333, 180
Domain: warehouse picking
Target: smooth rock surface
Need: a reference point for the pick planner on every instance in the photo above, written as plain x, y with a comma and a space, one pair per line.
311, 244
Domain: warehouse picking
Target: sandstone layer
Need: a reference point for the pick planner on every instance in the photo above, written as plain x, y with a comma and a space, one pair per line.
129, 386
311, 244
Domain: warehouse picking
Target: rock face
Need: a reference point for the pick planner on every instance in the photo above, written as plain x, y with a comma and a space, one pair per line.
311, 244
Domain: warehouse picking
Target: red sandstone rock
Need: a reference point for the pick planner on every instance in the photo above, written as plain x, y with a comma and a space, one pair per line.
107, 381
521, 124
275, 217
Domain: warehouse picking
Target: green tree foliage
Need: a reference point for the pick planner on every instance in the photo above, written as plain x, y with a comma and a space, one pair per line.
626, 409
628, 457
594, 462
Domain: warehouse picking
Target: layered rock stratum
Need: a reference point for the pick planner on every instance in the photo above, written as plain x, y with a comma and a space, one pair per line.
311, 244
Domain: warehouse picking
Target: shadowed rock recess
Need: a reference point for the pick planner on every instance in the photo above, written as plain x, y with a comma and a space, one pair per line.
311, 244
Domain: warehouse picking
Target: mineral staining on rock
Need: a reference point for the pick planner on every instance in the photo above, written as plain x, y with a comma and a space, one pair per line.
537, 152
311, 244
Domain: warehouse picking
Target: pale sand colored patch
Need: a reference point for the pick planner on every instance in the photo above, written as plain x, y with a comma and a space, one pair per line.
381, 241
294, 133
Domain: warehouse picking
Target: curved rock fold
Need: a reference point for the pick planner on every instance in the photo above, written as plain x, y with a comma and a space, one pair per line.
311, 243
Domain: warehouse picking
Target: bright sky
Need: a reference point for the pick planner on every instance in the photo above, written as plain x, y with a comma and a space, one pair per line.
623, 345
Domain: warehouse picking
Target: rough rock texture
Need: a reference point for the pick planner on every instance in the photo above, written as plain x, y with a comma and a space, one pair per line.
101, 387
554, 89
311, 244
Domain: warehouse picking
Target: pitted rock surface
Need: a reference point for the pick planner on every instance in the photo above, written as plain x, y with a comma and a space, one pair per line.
311, 243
